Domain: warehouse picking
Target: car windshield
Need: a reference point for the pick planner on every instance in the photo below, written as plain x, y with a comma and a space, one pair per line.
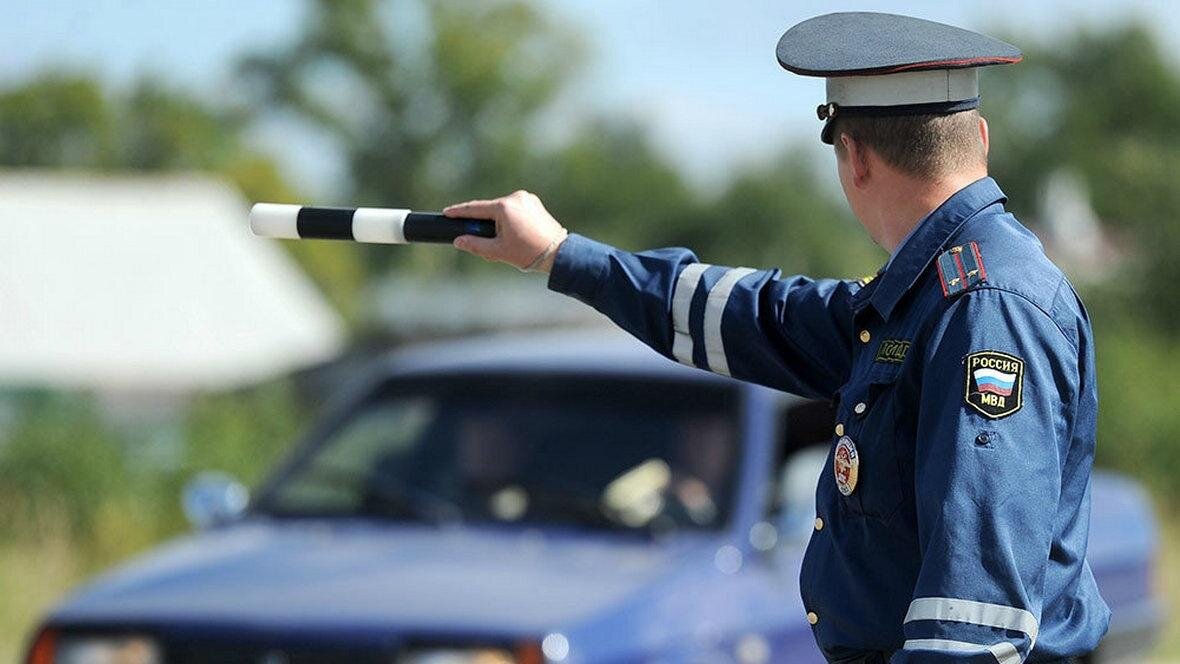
550, 450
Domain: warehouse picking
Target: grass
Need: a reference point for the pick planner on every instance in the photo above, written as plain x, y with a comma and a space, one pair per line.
1167, 650
34, 573
41, 565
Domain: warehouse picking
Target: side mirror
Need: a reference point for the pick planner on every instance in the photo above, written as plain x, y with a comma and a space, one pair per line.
213, 498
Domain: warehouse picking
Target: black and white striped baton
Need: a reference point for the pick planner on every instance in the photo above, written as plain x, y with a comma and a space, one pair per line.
381, 225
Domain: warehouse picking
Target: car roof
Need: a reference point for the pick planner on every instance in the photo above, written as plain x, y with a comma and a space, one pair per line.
594, 351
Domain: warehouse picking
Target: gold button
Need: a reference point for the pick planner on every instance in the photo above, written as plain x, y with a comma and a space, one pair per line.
865, 336
860, 408
819, 523
840, 429
812, 618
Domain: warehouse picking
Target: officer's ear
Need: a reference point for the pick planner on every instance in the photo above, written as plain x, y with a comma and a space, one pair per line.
856, 155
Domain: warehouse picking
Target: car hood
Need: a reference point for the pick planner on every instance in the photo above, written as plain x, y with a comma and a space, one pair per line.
289, 573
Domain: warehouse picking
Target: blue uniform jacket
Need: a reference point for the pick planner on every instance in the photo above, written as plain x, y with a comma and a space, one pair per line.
953, 511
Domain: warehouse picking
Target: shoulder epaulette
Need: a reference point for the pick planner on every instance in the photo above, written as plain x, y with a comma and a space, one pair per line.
960, 268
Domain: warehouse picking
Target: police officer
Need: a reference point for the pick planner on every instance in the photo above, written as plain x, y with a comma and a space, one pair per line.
954, 506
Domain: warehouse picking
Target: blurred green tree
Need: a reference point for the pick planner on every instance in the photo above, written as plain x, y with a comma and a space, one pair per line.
59, 460
67, 120
610, 182
790, 215
430, 102
57, 119
60, 119
1104, 105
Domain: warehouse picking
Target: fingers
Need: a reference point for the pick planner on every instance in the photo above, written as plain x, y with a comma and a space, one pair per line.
521, 222
493, 209
475, 209
484, 247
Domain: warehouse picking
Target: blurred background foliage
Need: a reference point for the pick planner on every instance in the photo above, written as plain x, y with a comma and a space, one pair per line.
441, 104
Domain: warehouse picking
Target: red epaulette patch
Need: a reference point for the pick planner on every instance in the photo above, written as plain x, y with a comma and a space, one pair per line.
960, 268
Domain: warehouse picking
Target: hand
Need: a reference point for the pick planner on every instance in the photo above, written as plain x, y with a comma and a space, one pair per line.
525, 230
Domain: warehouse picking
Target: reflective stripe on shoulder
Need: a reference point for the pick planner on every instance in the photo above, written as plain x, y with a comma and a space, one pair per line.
686, 287
714, 311
1004, 652
976, 613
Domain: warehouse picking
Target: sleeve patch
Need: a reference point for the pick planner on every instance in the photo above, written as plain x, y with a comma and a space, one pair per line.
995, 383
960, 268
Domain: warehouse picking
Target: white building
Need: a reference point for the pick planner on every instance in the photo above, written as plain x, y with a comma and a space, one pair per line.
147, 285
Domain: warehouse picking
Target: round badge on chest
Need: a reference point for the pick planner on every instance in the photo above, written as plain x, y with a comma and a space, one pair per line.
846, 465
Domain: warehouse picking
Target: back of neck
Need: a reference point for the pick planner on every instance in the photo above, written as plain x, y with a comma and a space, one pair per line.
907, 201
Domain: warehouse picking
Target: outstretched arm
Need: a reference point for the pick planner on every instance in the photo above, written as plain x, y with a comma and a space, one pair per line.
792, 333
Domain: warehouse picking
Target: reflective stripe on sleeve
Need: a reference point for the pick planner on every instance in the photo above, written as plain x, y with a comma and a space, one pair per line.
714, 311
976, 613
1004, 652
686, 287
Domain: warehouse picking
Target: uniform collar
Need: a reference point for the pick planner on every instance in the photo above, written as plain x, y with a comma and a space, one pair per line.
925, 242
901, 245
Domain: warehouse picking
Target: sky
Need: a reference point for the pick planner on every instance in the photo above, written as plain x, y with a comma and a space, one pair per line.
700, 73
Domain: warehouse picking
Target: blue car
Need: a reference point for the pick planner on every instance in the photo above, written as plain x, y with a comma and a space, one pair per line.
549, 498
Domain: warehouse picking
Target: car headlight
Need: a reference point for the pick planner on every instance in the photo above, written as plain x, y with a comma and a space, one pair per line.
56, 648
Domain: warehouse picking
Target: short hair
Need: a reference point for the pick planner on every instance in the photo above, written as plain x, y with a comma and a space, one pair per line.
922, 146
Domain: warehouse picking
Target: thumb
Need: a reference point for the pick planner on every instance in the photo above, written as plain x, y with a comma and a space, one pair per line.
484, 247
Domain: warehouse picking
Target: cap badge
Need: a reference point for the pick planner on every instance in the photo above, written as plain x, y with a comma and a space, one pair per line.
847, 465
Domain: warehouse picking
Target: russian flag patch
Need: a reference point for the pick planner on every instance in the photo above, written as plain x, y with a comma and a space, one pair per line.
960, 268
995, 383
